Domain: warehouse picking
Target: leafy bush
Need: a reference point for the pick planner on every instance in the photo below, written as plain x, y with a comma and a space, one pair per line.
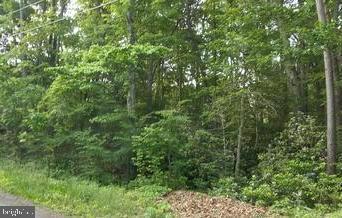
169, 153
292, 173
226, 187
158, 147
262, 194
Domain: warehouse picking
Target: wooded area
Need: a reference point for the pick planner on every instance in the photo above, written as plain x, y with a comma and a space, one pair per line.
233, 97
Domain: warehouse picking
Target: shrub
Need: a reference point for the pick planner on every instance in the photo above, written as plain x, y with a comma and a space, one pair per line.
170, 153
262, 194
292, 173
226, 187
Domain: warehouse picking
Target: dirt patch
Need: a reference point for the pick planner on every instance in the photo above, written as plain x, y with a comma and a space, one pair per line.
192, 204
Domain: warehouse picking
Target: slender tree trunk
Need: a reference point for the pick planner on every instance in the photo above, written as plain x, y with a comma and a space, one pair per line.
330, 91
239, 145
288, 67
54, 41
331, 115
149, 92
223, 125
131, 75
21, 12
180, 81
150, 79
337, 97
302, 88
159, 103
256, 131
337, 62
338, 68
296, 76
23, 57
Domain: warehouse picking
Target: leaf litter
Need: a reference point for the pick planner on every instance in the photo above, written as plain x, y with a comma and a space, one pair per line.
199, 205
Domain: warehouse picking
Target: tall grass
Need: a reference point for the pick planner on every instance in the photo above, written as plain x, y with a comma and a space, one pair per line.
76, 197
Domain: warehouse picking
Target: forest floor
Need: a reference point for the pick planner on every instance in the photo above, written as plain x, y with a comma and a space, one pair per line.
193, 204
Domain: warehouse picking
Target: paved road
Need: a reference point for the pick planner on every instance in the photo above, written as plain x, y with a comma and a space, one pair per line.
41, 212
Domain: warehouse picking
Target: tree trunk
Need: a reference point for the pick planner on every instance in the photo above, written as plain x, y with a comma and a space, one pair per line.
131, 75
336, 75
302, 88
296, 76
239, 145
21, 12
159, 103
338, 70
53, 38
330, 92
150, 78
223, 126
337, 62
288, 68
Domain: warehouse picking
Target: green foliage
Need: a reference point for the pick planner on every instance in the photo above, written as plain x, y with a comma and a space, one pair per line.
169, 152
158, 147
262, 194
226, 187
291, 174
18, 97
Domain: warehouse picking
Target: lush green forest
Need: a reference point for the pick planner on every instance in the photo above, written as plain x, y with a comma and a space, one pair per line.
239, 98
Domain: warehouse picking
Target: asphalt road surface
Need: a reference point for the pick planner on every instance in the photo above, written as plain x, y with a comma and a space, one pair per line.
41, 212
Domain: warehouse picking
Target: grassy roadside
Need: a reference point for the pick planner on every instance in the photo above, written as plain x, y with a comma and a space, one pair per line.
80, 198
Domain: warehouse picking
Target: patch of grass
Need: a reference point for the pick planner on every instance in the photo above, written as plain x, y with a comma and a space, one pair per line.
336, 214
312, 213
299, 211
77, 197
